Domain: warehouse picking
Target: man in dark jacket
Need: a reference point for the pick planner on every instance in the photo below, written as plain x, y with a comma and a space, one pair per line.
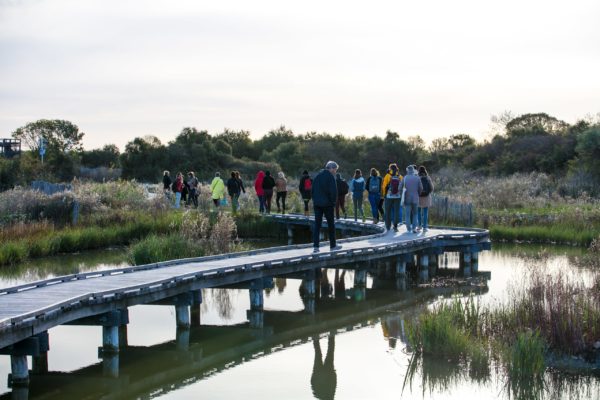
324, 195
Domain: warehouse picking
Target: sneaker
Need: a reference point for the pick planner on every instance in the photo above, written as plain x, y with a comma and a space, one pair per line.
316, 250
418, 228
395, 229
338, 247
414, 231
425, 230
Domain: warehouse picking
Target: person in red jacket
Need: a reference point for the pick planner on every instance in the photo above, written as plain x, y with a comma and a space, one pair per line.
260, 192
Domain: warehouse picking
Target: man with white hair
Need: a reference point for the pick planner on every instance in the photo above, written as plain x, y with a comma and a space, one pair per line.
324, 195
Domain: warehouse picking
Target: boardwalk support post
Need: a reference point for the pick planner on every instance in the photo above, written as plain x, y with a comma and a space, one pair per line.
466, 263
255, 314
182, 315
196, 306
110, 339
400, 267
424, 267
360, 284
475, 262
19, 375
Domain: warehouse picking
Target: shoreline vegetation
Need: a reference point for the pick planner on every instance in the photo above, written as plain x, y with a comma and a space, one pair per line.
547, 321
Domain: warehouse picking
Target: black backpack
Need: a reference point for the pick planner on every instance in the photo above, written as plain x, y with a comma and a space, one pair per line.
426, 186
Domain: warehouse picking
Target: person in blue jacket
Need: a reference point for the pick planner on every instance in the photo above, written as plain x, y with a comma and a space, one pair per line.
324, 196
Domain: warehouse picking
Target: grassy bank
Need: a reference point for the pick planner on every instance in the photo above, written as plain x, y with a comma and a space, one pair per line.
52, 241
544, 234
530, 207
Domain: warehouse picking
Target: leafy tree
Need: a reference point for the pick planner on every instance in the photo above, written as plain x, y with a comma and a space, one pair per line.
274, 138
107, 156
59, 134
63, 145
143, 159
588, 151
240, 142
535, 124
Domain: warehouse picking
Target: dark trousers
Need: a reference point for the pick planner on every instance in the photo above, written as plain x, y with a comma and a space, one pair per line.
306, 201
341, 203
281, 196
268, 198
328, 212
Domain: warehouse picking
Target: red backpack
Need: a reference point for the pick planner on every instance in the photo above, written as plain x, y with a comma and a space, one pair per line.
307, 185
395, 185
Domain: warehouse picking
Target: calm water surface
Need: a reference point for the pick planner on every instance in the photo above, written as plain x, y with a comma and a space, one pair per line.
353, 345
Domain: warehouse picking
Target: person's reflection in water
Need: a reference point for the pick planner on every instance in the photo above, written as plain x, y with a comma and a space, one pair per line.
280, 284
324, 378
340, 284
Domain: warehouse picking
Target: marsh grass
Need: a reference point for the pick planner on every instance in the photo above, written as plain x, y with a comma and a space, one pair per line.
545, 315
196, 235
70, 240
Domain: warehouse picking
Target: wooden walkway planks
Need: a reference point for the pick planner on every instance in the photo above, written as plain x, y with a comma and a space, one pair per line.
21, 304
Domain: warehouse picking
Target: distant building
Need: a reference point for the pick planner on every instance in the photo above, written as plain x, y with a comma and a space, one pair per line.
10, 147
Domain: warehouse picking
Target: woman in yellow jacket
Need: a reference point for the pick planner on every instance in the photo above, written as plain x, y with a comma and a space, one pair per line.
217, 188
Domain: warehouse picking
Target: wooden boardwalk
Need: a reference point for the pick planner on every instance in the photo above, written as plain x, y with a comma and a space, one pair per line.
30, 309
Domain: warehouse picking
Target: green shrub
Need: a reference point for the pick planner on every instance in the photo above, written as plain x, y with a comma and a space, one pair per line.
162, 248
12, 253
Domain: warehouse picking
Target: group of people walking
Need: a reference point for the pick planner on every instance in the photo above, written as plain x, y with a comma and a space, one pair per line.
393, 198
390, 197
187, 190
265, 186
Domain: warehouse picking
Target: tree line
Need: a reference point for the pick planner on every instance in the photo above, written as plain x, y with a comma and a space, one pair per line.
529, 142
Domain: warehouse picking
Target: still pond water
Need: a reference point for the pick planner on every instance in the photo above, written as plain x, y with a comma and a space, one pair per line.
352, 347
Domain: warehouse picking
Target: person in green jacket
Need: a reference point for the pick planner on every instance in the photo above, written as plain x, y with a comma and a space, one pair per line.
217, 188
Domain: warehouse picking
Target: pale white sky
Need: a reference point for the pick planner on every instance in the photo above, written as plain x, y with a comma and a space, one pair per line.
126, 68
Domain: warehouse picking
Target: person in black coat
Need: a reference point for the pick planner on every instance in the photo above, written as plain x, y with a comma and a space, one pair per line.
268, 184
324, 196
234, 190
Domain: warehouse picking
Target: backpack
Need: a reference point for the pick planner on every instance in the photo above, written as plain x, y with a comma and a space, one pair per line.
307, 185
426, 186
374, 184
344, 188
395, 186
359, 186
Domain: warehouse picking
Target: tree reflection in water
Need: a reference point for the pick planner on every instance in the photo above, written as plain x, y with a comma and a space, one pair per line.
222, 299
324, 378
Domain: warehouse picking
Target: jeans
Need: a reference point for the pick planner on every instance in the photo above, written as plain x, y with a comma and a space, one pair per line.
340, 203
423, 222
261, 203
392, 206
235, 202
177, 199
357, 202
281, 196
328, 212
374, 201
411, 215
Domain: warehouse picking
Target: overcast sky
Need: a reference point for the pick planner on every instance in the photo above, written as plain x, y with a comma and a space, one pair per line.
120, 69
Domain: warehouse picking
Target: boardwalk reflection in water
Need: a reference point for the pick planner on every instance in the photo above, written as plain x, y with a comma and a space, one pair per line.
342, 302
